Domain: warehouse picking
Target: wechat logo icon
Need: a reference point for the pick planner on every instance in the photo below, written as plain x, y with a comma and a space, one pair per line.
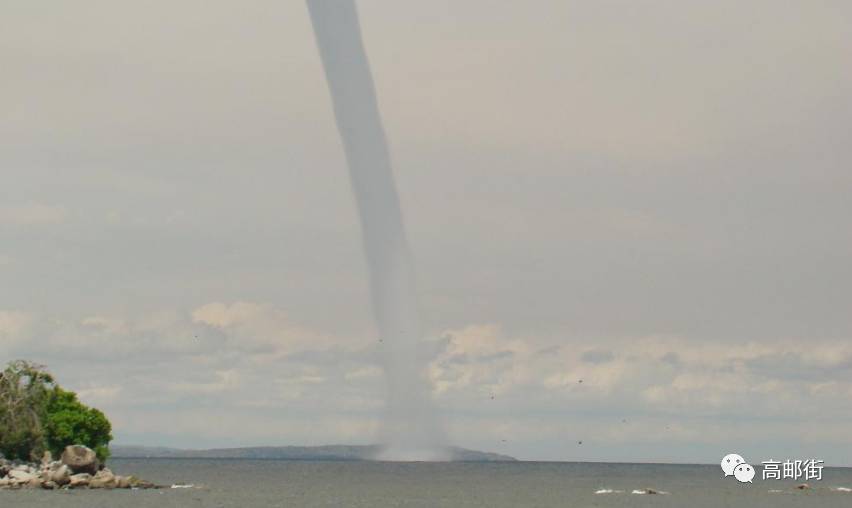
736, 466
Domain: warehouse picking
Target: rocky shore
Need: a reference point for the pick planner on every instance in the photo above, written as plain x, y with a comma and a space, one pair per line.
78, 468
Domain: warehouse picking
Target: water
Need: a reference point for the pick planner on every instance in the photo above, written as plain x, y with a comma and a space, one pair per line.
265, 484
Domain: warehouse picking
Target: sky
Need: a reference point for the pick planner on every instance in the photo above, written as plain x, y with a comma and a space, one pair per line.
651, 197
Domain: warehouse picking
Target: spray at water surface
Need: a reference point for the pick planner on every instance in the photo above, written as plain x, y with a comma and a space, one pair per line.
411, 430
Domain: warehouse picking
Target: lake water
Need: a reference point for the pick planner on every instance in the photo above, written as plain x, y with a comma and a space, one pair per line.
266, 484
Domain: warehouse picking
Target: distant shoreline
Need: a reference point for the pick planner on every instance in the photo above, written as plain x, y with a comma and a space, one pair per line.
349, 453
509, 459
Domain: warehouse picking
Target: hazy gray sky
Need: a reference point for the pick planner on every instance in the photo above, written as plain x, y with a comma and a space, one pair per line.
653, 197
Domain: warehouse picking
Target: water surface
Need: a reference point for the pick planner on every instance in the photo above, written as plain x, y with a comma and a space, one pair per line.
276, 483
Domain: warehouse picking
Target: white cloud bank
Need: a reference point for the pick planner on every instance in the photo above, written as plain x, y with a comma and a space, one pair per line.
243, 373
29, 214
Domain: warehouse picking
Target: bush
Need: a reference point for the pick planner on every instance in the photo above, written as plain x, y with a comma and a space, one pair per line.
20, 444
68, 422
24, 390
38, 415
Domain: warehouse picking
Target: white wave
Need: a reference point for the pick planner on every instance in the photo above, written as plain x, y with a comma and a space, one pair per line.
649, 491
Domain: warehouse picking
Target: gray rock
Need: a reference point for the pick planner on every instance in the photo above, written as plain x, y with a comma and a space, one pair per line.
80, 459
136, 483
104, 479
61, 476
21, 476
53, 475
79, 480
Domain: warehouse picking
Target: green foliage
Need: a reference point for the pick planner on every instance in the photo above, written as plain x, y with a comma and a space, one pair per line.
20, 443
69, 422
24, 390
38, 415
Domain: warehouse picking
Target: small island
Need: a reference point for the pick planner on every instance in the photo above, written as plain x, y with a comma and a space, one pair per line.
77, 468
40, 420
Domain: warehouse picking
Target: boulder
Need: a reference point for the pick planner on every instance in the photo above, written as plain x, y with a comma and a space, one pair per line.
80, 459
52, 475
61, 475
21, 476
47, 458
103, 479
136, 483
79, 480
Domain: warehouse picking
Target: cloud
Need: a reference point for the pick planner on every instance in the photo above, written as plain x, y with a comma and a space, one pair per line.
99, 395
13, 322
258, 327
249, 330
15, 327
670, 375
597, 356
243, 357
32, 214
221, 315
150, 371
647, 398
105, 324
224, 380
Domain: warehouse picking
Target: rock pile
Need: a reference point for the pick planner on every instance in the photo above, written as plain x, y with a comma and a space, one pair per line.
78, 468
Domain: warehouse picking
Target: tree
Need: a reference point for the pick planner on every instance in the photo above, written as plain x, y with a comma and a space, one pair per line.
69, 421
24, 390
37, 415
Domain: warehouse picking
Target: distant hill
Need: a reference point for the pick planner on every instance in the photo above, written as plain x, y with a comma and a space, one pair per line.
329, 452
